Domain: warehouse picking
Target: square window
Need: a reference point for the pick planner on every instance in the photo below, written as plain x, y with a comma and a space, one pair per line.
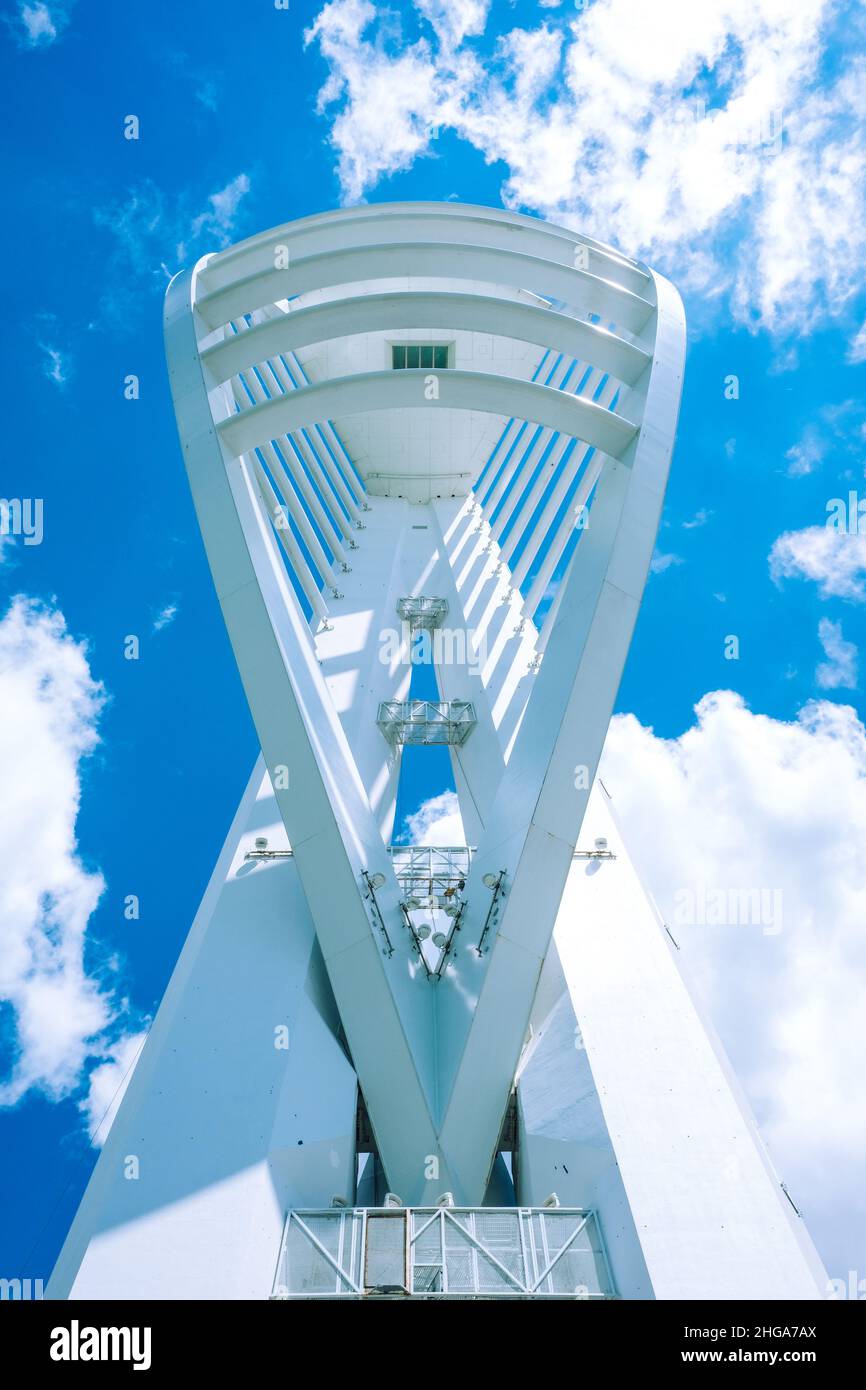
426, 357
398, 358
440, 357
413, 357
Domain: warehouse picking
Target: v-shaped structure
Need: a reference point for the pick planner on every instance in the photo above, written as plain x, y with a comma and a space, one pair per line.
438, 436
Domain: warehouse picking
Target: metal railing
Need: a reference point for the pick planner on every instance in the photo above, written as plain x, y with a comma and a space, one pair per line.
423, 611
426, 722
430, 869
443, 1252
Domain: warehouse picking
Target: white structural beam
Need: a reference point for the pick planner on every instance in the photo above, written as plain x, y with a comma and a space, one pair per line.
450, 225
584, 292
540, 802
241, 1101
705, 1208
323, 803
405, 390
417, 309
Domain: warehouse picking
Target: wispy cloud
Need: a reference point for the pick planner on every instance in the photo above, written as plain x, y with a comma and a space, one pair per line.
56, 365
700, 518
165, 617
39, 25
204, 84
661, 561
805, 456
154, 235
840, 668
206, 93
218, 219
108, 1083
857, 346
838, 428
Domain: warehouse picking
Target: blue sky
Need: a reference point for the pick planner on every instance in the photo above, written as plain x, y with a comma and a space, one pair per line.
730, 152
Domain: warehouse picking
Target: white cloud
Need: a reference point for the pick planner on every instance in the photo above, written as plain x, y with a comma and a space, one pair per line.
153, 237
389, 101
165, 617
840, 668
744, 802
805, 456
39, 25
58, 1014
832, 559
436, 822
667, 129
455, 20
206, 93
661, 562
56, 365
838, 429
700, 518
857, 346
107, 1085
219, 219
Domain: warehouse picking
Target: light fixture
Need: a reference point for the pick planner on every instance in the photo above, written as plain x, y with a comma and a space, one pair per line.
422, 933
392, 1200
490, 880
412, 904
551, 1201
446, 1200
261, 842
377, 881
452, 910
440, 939
601, 843
337, 1201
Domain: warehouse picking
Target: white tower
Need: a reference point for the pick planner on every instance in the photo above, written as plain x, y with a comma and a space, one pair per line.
445, 429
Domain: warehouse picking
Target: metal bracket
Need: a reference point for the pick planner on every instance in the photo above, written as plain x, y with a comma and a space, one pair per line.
371, 894
492, 911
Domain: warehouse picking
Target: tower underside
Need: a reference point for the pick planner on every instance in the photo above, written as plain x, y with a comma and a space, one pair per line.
428, 447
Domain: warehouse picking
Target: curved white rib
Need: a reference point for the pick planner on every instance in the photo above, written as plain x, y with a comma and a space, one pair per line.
463, 224
416, 309
586, 293
458, 390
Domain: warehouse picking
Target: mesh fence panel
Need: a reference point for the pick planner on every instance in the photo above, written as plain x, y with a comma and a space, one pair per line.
307, 1269
385, 1265
482, 1249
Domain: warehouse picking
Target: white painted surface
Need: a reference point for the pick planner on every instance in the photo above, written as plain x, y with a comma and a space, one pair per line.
227, 1129
707, 1206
